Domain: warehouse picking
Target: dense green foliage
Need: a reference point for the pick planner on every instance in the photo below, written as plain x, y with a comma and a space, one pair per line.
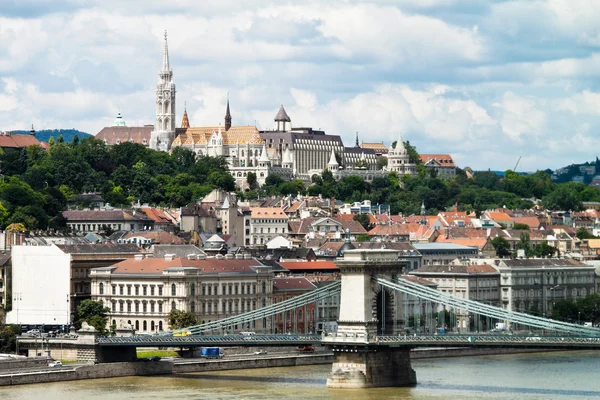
8, 338
584, 310
94, 313
181, 319
37, 184
486, 190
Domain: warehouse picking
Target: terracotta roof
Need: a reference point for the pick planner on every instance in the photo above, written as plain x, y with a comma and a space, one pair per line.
309, 265
201, 135
13, 140
268, 212
303, 226
419, 280
112, 135
444, 160
103, 215
156, 215
471, 242
393, 230
532, 222
447, 218
498, 216
208, 266
295, 206
295, 284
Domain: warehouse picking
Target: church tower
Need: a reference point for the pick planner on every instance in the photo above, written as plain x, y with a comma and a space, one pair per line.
399, 160
227, 117
164, 130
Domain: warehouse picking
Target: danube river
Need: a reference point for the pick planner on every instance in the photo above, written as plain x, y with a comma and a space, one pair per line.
564, 375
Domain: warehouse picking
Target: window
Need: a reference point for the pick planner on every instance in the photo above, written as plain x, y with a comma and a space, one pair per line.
254, 288
242, 289
203, 308
264, 287
145, 307
173, 290
145, 290
152, 307
137, 290
160, 291
300, 315
230, 289
128, 290
210, 290
173, 306
114, 307
203, 290
193, 289
151, 325
121, 306
160, 307
193, 307
101, 288
160, 326
210, 307
236, 289
137, 307
114, 289
152, 290
145, 324
128, 306
137, 325
121, 290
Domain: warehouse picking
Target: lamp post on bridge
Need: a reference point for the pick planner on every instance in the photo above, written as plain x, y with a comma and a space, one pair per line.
553, 290
578, 317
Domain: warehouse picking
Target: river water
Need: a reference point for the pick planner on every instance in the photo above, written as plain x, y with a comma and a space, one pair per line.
563, 375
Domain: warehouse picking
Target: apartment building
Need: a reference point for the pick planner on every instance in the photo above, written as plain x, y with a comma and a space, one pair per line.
142, 291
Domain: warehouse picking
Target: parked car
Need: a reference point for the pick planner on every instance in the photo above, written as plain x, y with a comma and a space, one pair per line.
55, 364
33, 332
155, 358
260, 352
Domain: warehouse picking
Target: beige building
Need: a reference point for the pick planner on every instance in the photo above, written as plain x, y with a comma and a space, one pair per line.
266, 223
465, 280
535, 284
141, 292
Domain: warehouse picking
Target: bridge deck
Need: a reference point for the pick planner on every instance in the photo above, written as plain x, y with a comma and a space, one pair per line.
451, 340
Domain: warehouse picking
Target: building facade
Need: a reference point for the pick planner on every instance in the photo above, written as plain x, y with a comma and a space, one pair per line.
141, 292
266, 223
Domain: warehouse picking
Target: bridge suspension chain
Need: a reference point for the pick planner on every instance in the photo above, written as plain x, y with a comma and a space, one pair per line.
268, 311
476, 307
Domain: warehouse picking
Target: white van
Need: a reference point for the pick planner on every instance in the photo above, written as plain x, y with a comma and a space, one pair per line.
588, 324
247, 333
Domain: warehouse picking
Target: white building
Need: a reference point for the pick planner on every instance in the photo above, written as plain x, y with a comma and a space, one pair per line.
141, 292
41, 278
399, 160
266, 223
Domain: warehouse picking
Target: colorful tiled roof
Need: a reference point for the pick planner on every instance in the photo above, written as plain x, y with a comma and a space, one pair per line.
201, 135
444, 160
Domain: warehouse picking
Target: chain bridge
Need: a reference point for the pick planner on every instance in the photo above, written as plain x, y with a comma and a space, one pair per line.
382, 316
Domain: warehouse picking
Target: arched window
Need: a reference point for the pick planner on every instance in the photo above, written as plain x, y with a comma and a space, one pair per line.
152, 325
173, 306
137, 325
193, 289
114, 322
300, 315
101, 288
264, 287
160, 326
193, 307
145, 325
173, 290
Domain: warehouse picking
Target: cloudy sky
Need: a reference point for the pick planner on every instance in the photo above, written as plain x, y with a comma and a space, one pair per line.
486, 81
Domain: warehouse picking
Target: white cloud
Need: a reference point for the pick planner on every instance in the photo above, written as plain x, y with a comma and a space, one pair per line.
521, 116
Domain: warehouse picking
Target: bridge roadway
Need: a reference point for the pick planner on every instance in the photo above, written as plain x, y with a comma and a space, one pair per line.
449, 340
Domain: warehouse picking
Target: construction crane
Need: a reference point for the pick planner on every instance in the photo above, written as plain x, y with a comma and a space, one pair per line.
517, 164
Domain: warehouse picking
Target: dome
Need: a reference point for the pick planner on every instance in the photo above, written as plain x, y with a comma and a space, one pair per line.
119, 121
347, 245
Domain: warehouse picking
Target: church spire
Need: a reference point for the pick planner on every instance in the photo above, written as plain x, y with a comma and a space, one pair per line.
227, 116
357, 144
165, 64
185, 122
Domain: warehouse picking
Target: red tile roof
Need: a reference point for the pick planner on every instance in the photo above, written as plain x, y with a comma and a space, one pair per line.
103, 215
208, 266
15, 141
532, 222
157, 237
268, 212
112, 135
498, 216
306, 265
289, 283
445, 160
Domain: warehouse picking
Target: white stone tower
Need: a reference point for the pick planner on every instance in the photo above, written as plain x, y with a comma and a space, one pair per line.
333, 165
399, 161
164, 130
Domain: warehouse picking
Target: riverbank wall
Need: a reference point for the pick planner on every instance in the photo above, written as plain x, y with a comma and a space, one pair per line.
21, 375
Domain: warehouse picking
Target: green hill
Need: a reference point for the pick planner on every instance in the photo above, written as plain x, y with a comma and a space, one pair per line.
44, 134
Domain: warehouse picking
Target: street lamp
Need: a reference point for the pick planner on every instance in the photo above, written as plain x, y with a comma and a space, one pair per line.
553, 288
578, 317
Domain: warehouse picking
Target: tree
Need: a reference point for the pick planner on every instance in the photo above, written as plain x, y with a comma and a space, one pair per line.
590, 308
363, 237
521, 227
363, 219
94, 313
251, 179
181, 319
75, 140
583, 233
502, 246
543, 249
525, 243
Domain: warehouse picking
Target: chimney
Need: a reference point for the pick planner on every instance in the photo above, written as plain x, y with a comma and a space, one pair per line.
191, 256
169, 257
138, 257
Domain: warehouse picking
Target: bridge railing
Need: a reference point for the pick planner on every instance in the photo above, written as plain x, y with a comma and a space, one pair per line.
476, 307
268, 311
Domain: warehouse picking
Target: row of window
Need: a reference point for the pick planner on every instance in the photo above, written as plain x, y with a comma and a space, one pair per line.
153, 326
269, 221
233, 289
137, 307
268, 230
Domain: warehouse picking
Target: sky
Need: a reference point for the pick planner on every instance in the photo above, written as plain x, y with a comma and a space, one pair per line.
485, 81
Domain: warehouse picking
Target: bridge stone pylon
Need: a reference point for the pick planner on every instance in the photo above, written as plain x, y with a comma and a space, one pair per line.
361, 361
